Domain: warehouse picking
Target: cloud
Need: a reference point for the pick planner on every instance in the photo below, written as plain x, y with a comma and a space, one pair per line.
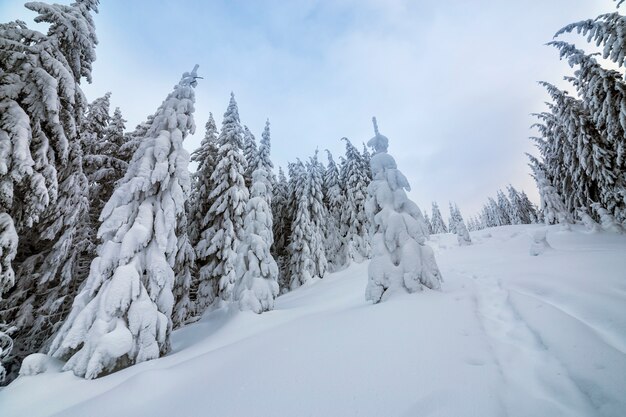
452, 83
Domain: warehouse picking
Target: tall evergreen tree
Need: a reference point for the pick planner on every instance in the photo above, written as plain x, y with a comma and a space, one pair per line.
281, 215
429, 224
307, 258
401, 259
437, 221
250, 153
257, 271
333, 200
353, 219
123, 313
206, 158
43, 189
216, 252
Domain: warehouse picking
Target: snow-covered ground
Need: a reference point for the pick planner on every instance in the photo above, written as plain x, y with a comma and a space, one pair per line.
509, 334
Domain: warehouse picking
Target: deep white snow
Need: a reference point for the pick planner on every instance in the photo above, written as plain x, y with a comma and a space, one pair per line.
508, 334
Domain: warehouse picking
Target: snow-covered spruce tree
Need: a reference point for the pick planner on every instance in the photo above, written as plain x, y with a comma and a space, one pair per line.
307, 259
367, 157
429, 224
282, 227
401, 260
452, 219
263, 160
518, 214
504, 208
552, 206
607, 30
570, 148
206, 158
42, 184
353, 219
216, 251
104, 162
437, 220
101, 138
333, 200
122, 314
460, 229
257, 271
184, 268
603, 93
250, 153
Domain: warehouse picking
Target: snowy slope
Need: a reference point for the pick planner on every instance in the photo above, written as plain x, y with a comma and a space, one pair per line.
509, 334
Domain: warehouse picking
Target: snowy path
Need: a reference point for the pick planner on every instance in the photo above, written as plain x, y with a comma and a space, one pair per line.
555, 323
534, 381
508, 335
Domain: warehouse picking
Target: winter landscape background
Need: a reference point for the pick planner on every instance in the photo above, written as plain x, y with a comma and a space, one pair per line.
461, 253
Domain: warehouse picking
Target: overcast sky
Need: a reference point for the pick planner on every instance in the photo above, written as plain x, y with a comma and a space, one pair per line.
452, 83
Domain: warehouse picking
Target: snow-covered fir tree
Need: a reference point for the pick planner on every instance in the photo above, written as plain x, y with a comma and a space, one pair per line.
552, 206
581, 144
429, 224
436, 221
43, 190
206, 158
460, 229
263, 160
282, 226
354, 222
504, 208
250, 153
122, 315
216, 251
333, 200
452, 219
401, 260
307, 258
184, 268
257, 271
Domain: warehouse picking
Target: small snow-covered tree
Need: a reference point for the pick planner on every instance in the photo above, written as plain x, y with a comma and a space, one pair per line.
206, 158
460, 229
307, 258
353, 219
250, 153
184, 267
122, 315
401, 260
437, 220
257, 271
552, 205
282, 226
333, 200
429, 224
452, 219
216, 251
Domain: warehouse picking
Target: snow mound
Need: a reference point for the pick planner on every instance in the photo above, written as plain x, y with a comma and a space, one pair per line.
508, 334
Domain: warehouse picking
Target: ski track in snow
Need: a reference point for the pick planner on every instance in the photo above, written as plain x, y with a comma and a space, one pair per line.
534, 382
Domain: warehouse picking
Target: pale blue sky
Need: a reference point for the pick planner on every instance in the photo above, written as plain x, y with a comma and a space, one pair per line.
451, 82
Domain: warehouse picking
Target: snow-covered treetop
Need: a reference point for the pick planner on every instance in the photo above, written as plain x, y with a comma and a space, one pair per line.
379, 142
607, 30
74, 28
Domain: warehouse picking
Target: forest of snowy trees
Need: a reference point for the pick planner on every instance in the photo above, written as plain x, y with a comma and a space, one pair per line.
108, 242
